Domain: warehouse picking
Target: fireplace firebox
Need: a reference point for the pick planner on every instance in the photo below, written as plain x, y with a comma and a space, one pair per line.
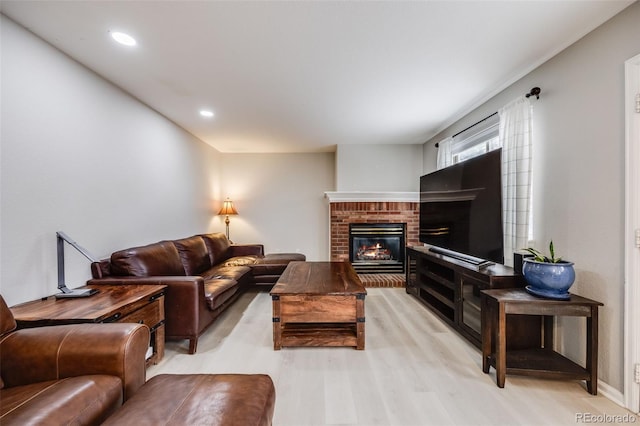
377, 248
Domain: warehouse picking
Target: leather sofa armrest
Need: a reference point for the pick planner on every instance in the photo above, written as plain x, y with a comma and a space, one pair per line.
51, 353
246, 250
184, 300
182, 292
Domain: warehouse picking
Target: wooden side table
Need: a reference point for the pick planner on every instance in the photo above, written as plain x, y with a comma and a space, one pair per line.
142, 304
544, 361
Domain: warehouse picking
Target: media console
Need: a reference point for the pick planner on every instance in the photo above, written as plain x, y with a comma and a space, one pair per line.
451, 288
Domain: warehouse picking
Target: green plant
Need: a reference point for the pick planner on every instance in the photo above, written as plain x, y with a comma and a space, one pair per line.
538, 256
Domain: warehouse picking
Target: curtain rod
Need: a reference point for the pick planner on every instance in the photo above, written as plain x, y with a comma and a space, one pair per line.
533, 92
475, 124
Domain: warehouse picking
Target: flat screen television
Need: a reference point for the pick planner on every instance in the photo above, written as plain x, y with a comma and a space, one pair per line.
461, 209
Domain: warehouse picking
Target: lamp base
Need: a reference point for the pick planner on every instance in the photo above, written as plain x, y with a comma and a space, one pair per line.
71, 294
227, 223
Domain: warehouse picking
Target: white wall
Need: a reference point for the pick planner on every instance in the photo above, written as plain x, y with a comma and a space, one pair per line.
81, 156
384, 168
579, 172
280, 201
429, 157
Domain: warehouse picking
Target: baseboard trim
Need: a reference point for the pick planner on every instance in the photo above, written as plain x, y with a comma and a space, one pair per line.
611, 393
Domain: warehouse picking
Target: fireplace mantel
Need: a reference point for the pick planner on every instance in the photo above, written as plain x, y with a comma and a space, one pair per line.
360, 196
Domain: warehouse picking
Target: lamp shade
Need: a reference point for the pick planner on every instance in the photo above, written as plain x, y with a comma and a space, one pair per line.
227, 208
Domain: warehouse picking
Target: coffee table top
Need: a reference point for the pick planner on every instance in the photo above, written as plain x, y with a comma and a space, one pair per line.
319, 278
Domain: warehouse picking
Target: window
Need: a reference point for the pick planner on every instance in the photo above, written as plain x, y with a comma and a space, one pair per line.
476, 140
515, 122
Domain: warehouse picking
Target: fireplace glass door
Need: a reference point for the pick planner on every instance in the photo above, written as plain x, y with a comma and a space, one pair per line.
377, 248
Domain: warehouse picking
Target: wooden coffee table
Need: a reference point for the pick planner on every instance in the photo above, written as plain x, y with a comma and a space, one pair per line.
318, 304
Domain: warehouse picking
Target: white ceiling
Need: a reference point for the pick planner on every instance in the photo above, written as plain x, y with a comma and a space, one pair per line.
305, 76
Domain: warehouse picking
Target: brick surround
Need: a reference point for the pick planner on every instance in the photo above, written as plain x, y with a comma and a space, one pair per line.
344, 213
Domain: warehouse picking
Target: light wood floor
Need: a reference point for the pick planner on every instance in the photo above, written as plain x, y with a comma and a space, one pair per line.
414, 371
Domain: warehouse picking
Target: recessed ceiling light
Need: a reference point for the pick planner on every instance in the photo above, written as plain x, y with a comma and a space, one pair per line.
123, 38
206, 113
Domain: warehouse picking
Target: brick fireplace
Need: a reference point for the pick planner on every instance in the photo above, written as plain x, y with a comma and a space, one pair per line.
347, 212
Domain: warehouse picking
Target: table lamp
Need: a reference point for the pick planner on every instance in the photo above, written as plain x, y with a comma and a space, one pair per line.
227, 210
66, 292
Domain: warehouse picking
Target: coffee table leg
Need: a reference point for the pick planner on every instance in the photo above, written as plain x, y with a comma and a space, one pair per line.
360, 322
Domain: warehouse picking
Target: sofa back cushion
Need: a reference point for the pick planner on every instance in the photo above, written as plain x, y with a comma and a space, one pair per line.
101, 268
193, 254
152, 260
218, 247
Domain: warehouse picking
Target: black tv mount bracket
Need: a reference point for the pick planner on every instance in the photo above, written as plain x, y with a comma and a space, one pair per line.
66, 292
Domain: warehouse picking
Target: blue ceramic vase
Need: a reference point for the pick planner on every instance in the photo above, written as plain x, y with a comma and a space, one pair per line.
550, 280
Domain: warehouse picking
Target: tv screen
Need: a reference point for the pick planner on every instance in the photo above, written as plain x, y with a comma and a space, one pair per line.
461, 207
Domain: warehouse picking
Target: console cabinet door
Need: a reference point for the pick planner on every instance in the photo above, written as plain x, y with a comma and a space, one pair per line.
470, 304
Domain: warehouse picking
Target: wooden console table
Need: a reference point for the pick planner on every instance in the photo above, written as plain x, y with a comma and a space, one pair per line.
544, 361
318, 304
142, 304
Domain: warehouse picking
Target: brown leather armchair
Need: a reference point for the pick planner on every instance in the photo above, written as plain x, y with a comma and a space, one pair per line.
69, 374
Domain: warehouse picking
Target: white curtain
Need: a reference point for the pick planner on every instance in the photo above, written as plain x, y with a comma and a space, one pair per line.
445, 156
516, 139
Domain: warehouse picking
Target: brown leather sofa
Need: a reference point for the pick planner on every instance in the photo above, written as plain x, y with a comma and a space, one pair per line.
75, 374
204, 274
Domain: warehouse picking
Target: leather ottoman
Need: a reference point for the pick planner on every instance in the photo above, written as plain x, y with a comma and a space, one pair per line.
200, 399
267, 270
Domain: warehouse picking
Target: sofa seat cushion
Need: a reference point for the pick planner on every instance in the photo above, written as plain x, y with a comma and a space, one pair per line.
200, 399
75, 400
151, 260
218, 291
237, 273
240, 261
